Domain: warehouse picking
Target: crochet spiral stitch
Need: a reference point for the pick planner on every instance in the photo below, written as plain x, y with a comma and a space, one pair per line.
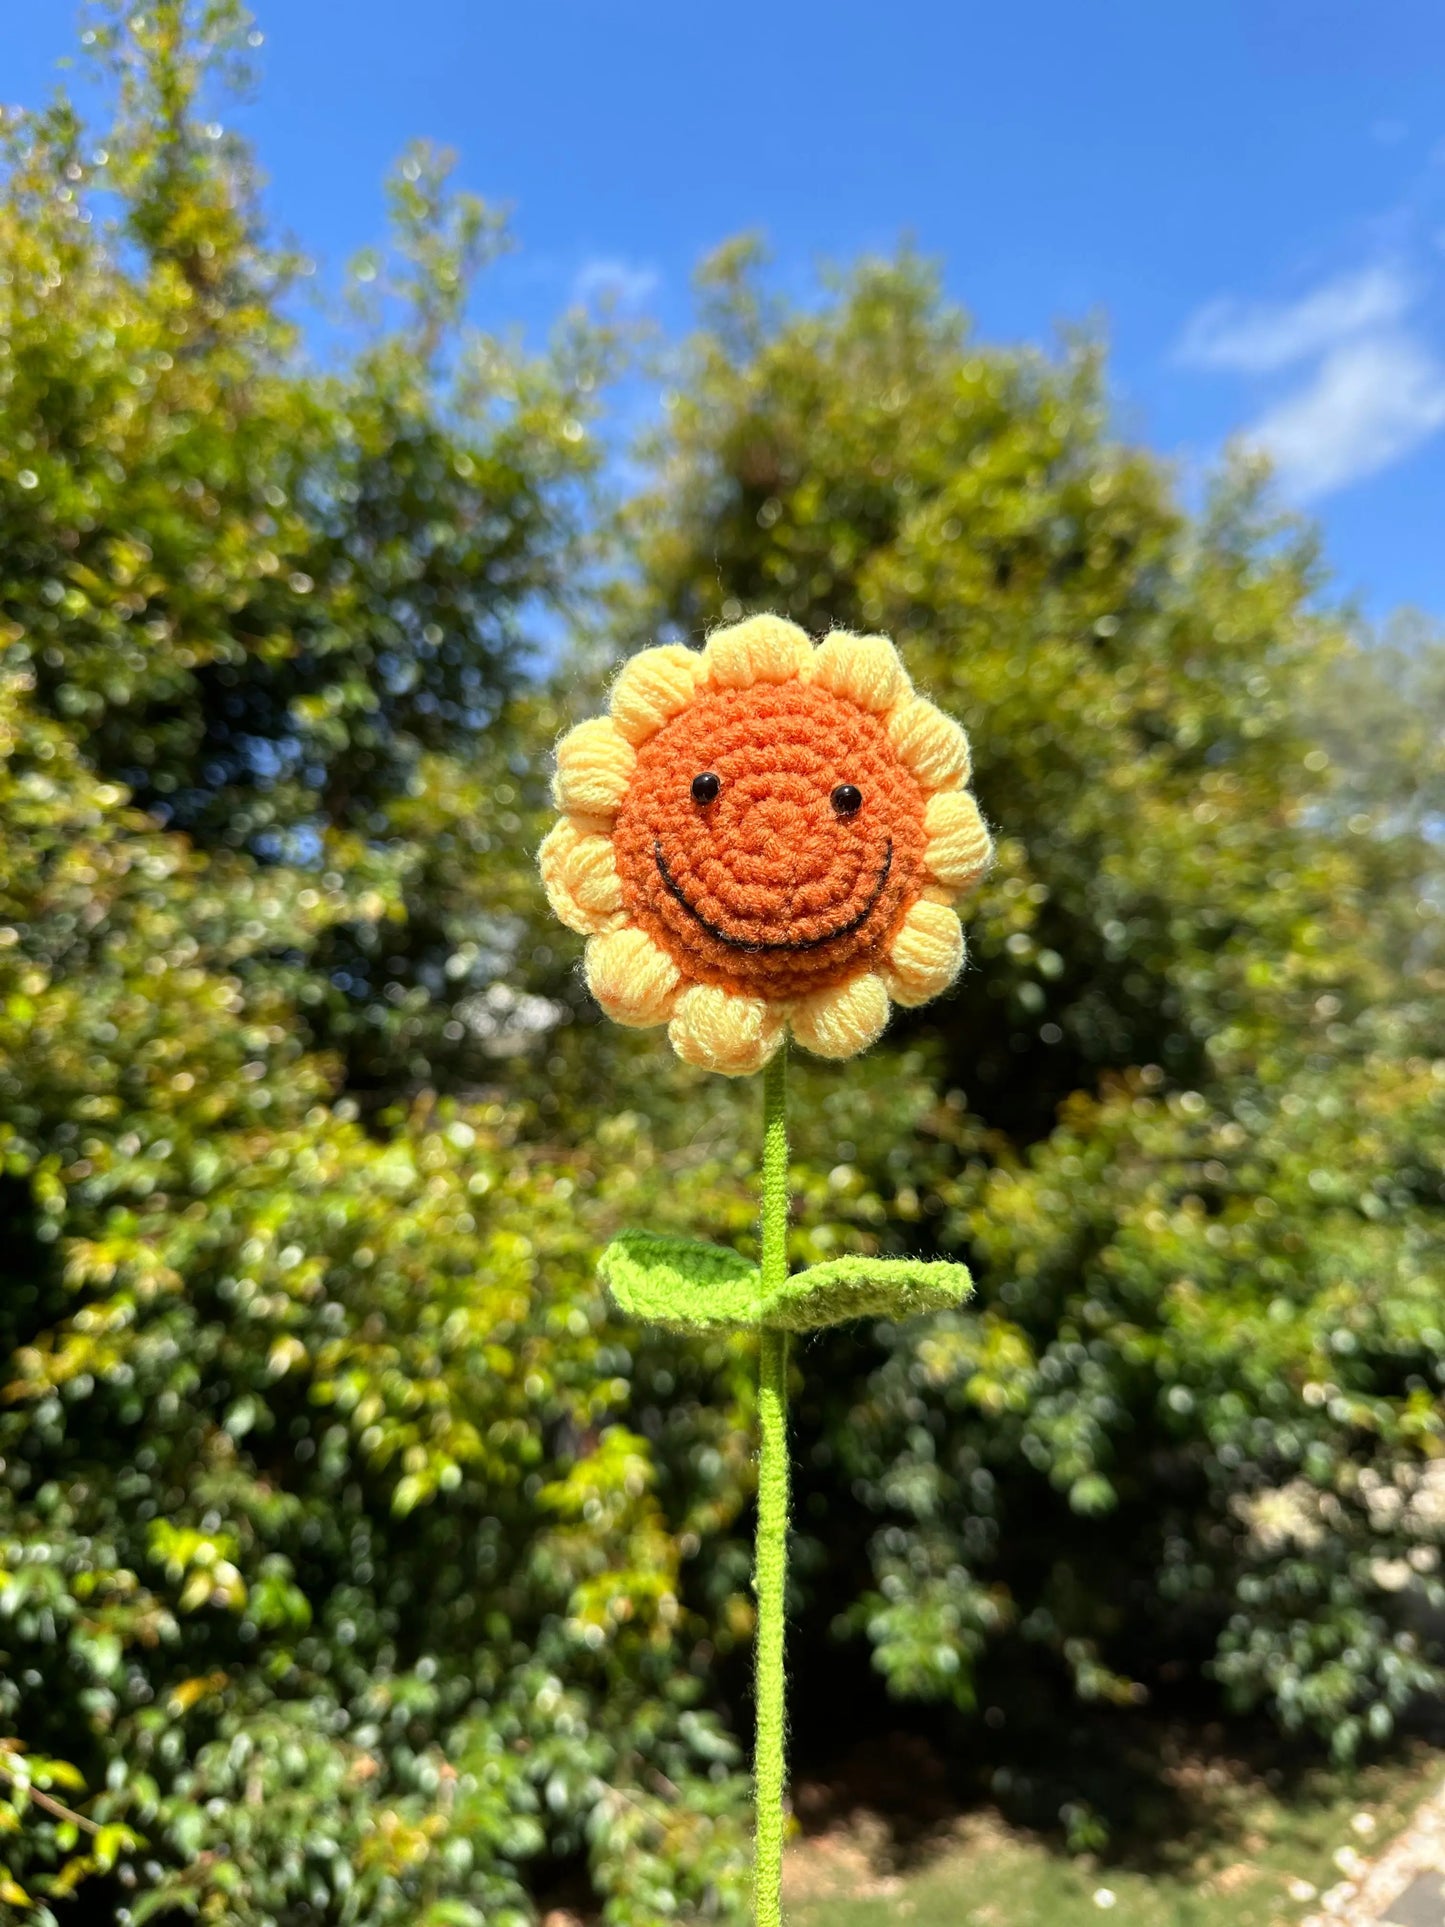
762, 837
766, 888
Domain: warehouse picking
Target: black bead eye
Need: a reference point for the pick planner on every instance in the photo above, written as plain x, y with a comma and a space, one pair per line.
847, 800
705, 787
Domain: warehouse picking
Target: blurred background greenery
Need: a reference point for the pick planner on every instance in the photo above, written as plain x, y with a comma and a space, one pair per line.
356, 1563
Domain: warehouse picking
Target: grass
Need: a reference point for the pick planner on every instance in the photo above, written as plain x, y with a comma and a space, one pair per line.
1244, 1861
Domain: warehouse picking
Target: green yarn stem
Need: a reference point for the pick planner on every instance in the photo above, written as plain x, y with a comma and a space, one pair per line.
771, 1569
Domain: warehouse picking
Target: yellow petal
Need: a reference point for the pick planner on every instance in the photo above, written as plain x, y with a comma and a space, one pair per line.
718, 1030
633, 979
841, 1021
579, 874
590, 825
932, 744
926, 955
594, 767
652, 687
762, 649
863, 669
959, 847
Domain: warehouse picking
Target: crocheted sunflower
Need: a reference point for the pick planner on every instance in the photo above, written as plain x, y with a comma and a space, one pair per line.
764, 836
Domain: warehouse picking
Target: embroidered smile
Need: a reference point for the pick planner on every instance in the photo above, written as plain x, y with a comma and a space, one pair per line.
674, 889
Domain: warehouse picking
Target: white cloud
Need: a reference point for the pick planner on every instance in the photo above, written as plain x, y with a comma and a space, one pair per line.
1257, 337
1368, 387
607, 279
1370, 402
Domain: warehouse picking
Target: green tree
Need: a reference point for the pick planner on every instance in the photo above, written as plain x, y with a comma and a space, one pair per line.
333, 1583
1184, 1116
286, 607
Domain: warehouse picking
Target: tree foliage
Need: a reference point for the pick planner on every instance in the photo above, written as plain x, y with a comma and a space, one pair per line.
356, 1562
1185, 1117
332, 1580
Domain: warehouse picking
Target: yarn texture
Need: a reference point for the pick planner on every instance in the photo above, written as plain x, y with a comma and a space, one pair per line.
762, 838
770, 1566
778, 830
765, 839
686, 1284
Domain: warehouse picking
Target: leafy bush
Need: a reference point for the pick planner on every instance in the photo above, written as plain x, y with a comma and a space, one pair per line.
331, 1570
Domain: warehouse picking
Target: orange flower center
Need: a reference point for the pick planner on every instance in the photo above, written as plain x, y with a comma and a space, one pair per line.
771, 839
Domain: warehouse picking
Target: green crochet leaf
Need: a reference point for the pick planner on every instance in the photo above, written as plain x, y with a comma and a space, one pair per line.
680, 1282
844, 1288
685, 1284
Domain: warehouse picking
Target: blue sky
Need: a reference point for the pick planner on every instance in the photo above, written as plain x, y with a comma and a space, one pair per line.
1248, 196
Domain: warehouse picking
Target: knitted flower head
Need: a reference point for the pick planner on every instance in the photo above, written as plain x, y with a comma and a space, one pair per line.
765, 836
